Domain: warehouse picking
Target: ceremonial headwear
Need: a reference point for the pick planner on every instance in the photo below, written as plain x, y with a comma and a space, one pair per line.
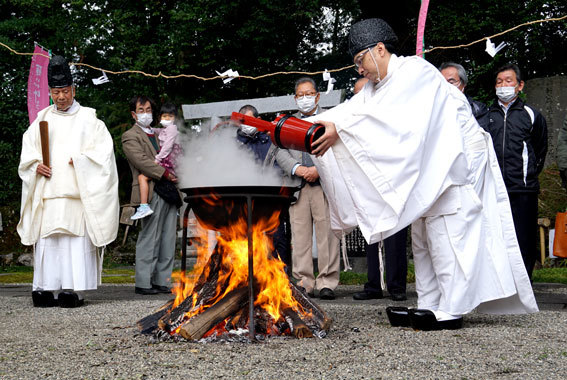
59, 73
367, 33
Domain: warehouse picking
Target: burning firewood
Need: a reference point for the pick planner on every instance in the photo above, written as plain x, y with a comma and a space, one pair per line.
319, 315
199, 324
238, 320
296, 324
202, 310
149, 324
205, 288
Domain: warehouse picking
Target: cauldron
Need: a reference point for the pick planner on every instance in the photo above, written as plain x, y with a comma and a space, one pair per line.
221, 206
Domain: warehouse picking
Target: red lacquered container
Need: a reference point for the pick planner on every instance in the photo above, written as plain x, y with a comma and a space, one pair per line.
286, 131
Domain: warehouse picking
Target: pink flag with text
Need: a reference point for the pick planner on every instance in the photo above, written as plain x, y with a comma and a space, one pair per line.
421, 27
38, 89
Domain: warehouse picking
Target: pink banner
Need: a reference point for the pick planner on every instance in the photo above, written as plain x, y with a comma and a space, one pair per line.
421, 27
38, 89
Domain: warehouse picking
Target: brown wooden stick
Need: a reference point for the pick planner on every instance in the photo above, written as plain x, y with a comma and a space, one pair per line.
205, 289
239, 319
149, 324
199, 324
319, 315
296, 324
44, 134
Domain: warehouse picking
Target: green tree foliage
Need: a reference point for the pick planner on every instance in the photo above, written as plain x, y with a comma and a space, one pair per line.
254, 37
198, 37
537, 49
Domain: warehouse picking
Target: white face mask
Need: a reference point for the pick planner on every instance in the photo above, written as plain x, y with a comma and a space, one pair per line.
506, 94
166, 123
306, 103
248, 130
144, 119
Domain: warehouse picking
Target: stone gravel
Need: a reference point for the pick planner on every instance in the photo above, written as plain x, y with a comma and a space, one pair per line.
100, 341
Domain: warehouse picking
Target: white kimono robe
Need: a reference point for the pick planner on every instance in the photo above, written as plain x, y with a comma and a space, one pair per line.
410, 151
79, 201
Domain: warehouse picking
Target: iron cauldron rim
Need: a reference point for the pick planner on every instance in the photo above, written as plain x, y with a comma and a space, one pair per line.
239, 191
229, 203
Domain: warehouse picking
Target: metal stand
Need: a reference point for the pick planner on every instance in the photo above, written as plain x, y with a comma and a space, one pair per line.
252, 332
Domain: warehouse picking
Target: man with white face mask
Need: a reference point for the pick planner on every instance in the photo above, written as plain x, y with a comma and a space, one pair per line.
311, 208
519, 133
155, 247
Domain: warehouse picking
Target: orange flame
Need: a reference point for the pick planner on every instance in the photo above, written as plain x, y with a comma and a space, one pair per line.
272, 284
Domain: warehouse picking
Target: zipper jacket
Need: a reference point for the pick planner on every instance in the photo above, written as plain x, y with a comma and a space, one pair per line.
520, 141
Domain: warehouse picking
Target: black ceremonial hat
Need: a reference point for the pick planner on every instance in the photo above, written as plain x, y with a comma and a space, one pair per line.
59, 73
367, 33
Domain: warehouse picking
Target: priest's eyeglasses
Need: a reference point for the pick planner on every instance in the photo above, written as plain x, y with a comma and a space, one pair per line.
358, 59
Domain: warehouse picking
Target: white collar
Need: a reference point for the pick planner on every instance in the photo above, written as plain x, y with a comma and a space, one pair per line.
504, 107
72, 109
148, 130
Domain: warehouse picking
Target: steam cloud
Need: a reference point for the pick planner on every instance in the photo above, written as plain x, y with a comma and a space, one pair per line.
219, 159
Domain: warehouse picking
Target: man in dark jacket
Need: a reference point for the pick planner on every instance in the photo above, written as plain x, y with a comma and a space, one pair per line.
457, 76
519, 133
259, 143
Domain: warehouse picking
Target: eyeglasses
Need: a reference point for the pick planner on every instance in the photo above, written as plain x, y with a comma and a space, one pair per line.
302, 94
358, 59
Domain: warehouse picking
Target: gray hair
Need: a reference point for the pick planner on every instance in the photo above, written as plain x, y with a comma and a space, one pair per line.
305, 80
460, 70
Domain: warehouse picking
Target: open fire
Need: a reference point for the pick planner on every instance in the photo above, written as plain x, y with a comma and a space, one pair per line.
213, 300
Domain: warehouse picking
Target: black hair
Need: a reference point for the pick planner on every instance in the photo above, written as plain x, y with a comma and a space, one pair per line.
168, 108
250, 108
142, 100
510, 66
392, 49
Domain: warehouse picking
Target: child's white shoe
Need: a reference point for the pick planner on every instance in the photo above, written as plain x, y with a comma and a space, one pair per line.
142, 211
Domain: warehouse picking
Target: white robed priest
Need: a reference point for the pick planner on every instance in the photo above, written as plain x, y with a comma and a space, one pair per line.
407, 150
70, 207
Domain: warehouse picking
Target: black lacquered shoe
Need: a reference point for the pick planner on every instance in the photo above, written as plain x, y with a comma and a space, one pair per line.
69, 299
42, 298
425, 320
398, 316
364, 295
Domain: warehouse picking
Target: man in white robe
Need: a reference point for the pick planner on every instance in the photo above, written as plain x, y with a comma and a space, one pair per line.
71, 206
407, 150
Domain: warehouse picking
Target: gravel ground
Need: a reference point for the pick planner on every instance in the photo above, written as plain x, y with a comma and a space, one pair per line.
100, 341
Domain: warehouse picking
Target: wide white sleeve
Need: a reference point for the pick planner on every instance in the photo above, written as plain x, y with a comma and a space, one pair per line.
97, 178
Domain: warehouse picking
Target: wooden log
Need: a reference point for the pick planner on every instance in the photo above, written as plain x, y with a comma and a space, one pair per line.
149, 324
319, 316
263, 321
205, 287
44, 136
238, 320
199, 324
298, 328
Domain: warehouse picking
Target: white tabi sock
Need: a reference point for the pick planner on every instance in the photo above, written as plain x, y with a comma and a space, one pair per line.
442, 316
